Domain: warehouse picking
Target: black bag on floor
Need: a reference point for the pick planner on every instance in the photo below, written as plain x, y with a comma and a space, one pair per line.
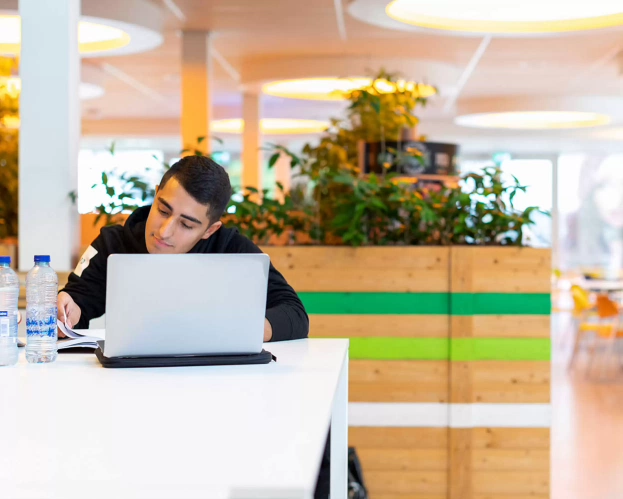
356, 485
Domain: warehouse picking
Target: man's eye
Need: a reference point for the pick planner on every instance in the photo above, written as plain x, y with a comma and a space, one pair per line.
186, 226
162, 212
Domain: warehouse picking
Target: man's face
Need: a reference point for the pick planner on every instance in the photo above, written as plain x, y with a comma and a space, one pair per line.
176, 222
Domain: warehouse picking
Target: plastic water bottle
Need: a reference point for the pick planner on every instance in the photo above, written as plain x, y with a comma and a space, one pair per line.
41, 310
9, 294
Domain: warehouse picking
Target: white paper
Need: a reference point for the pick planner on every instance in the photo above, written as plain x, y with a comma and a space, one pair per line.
86, 338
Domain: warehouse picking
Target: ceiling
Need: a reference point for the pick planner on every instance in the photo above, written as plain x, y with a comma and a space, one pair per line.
143, 90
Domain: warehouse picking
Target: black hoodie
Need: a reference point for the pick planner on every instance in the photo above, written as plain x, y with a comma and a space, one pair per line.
284, 309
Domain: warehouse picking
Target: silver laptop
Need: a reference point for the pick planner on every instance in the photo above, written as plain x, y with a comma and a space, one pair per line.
185, 304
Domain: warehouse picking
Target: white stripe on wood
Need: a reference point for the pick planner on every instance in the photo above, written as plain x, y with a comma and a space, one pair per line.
430, 415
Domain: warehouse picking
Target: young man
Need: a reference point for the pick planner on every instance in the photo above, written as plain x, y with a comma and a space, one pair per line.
184, 218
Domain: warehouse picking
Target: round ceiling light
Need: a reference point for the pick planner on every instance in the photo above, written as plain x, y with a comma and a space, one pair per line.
533, 120
502, 17
272, 126
328, 89
92, 37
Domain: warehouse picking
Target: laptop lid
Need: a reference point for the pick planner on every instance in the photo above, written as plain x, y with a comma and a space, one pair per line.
185, 304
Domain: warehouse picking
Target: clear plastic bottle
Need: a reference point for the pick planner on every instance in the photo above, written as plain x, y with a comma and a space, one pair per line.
9, 294
41, 310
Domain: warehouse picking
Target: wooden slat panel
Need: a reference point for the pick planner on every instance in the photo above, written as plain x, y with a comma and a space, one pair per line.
403, 459
500, 270
379, 269
411, 496
460, 469
398, 381
511, 482
510, 382
460, 383
398, 438
365, 280
511, 496
404, 257
367, 326
511, 326
511, 438
500, 382
407, 482
510, 460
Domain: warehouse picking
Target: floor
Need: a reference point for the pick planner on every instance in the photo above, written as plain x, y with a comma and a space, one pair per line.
587, 427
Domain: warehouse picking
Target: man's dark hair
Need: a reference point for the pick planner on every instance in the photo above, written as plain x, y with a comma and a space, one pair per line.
205, 180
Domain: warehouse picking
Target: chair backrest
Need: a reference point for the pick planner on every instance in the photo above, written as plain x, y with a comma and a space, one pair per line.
581, 301
606, 307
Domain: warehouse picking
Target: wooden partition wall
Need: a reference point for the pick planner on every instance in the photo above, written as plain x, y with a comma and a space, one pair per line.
449, 363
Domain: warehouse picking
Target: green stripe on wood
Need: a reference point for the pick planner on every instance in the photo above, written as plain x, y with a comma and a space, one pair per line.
376, 303
459, 349
427, 303
524, 349
500, 304
399, 348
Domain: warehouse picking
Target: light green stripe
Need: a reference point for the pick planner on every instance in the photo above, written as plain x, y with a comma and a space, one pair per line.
399, 348
376, 303
470, 349
459, 349
427, 303
500, 304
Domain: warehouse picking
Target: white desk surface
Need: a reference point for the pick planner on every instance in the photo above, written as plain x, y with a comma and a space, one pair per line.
73, 429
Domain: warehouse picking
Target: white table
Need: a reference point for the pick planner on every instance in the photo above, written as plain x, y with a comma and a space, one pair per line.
73, 429
602, 285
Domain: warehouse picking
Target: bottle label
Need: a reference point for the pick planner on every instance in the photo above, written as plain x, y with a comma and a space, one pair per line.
41, 322
4, 324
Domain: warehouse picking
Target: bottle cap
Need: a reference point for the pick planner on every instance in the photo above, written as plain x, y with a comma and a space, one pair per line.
42, 258
5, 260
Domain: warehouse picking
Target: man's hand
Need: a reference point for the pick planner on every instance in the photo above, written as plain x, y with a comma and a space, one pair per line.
268, 330
67, 307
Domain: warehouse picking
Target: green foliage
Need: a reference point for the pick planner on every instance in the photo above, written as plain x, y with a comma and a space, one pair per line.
9, 147
9, 150
335, 204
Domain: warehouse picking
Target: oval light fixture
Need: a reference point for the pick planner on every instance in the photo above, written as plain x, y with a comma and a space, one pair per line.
272, 126
109, 28
504, 17
329, 89
533, 120
92, 37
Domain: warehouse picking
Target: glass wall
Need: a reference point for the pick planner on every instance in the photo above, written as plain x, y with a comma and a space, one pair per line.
590, 193
537, 176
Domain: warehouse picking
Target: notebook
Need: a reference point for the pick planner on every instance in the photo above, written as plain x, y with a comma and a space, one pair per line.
78, 338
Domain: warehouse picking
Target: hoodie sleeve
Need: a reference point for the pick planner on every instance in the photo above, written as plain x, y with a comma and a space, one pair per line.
87, 283
284, 309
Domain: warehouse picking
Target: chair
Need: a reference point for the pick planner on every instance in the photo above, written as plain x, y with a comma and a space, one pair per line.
606, 330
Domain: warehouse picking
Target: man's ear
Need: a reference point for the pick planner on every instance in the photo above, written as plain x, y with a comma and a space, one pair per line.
212, 229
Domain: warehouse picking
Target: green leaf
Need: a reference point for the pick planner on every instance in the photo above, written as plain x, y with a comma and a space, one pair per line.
273, 159
104, 178
200, 140
111, 149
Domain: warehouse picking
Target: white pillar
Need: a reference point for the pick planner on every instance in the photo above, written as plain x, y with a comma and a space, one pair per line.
251, 142
196, 100
49, 131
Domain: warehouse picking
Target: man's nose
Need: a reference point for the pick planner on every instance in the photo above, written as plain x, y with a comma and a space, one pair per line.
167, 229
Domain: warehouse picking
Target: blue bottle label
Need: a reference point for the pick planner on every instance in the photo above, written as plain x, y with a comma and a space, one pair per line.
4, 324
